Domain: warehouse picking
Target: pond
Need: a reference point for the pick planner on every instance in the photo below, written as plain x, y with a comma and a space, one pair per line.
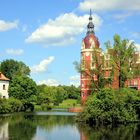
58, 125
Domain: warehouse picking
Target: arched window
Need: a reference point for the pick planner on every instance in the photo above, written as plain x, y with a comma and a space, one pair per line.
82, 94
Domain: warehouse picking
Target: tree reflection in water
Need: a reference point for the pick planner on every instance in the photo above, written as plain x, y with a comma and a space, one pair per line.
122, 132
25, 127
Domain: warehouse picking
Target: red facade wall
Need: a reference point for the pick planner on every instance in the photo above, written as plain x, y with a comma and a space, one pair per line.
86, 55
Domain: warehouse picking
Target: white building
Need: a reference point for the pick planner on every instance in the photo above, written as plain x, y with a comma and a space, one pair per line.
4, 85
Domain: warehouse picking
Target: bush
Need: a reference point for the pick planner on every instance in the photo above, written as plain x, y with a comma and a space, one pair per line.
4, 106
10, 105
132, 97
15, 104
46, 107
37, 108
111, 106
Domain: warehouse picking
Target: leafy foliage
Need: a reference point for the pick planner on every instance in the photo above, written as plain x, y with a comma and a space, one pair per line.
22, 88
123, 59
11, 68
10, 105
56, 95
112, 106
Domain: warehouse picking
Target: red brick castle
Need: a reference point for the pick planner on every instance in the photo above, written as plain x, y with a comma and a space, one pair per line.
89, 44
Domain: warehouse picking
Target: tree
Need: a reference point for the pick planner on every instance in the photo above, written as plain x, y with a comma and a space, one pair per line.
11, 68
59, 95
23, 88
72, 92
111, 106
123, 59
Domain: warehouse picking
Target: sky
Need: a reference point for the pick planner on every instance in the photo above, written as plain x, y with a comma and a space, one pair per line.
47, 34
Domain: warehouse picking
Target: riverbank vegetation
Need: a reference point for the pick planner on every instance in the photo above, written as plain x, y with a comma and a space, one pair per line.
26, 95
107, 106
111, 106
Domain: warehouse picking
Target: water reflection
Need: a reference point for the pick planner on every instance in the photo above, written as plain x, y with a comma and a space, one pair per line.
56, 126
4, 135
122, 132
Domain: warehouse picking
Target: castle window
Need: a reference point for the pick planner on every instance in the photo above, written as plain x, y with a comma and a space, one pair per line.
129, 83
93, 65
135, 82
4, 87
107, 64
82, 62
82, 94
107, 56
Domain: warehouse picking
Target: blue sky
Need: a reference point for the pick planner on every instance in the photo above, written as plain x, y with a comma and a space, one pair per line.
46, 35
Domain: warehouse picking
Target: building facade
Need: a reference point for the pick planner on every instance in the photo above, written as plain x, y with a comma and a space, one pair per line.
91, 60
4, 85
89, 43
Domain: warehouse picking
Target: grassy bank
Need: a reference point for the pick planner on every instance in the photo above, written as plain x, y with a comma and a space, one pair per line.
69, 103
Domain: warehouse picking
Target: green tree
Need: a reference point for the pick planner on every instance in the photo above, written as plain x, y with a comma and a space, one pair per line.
11, 68
43, 99
23, 88
46, 94
59, 95
111, 106
123, 59
72, 92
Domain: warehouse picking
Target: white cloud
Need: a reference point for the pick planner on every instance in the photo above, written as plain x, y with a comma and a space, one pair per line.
49, 82
138, 47
14, 51
6, 25
121, 17
75, 80
75, 77
110, 5
135, 35
42, 66
77, 84
62, 30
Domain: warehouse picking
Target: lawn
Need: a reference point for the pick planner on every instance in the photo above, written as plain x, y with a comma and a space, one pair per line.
68, 104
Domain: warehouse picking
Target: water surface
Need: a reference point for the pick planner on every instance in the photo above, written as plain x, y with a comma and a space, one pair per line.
59, 126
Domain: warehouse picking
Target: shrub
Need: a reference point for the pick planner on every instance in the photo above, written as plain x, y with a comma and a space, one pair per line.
46, 107
4, 106
37, 108
111, 106
10, 105
15, 104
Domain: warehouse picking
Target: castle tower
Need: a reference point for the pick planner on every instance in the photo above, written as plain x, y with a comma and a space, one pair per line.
89, 44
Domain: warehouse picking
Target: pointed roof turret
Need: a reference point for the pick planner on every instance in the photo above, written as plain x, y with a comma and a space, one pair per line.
90, 26
90, 18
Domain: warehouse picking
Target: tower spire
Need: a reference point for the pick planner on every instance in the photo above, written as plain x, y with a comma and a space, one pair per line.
90, 18
90, 26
